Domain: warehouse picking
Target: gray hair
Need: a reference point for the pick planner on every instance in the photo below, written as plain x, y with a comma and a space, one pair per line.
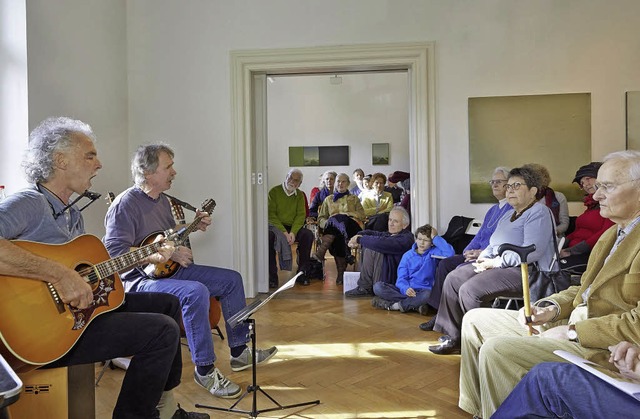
51, 136
292, 171
328, 172
406, 219
630, 156
145, 160
504, 171
344, 175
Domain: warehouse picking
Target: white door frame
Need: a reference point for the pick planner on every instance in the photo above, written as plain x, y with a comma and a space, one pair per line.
416, 58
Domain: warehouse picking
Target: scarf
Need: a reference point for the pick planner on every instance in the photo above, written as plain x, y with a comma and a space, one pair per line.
337, 195
589, 202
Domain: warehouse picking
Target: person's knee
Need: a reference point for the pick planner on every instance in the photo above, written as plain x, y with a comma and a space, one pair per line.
379, 287
168, 331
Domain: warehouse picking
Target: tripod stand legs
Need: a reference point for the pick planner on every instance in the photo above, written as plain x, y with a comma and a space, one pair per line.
255, 388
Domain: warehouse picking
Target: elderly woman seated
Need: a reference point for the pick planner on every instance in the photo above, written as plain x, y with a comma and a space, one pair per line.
340, 217
471, 286
377, 204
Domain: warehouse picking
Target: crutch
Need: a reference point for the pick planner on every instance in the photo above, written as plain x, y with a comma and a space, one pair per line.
523, 252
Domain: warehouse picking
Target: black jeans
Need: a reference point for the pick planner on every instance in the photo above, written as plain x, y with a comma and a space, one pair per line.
145, 327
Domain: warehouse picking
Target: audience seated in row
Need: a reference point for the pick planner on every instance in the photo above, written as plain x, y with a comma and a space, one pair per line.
583, 320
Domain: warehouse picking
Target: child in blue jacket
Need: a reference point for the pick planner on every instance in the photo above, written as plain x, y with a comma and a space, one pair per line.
415, 273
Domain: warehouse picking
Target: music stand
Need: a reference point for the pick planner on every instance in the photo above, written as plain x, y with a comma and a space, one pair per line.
244, 316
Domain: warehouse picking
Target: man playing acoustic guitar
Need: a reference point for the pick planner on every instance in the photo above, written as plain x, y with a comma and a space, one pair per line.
141, 212
61, 160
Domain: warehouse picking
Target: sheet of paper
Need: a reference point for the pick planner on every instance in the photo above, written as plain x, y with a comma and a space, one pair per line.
612, 377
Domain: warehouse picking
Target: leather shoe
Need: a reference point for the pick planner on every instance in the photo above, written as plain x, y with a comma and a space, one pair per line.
447, 346
350, 259
428, 326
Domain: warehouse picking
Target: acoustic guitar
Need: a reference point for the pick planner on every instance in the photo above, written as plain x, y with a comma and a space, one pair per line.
170, 267
36, 327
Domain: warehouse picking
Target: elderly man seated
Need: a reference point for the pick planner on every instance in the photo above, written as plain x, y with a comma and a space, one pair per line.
584, 320
381, 252
287, 213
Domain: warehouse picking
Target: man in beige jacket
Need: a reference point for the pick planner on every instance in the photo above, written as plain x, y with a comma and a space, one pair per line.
584, 320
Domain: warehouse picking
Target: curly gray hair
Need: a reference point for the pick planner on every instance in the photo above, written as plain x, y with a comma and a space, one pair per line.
145, 160
50, 137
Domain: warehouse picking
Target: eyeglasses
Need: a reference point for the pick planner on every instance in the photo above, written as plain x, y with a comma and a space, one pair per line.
514, 186
610, 187
497, 182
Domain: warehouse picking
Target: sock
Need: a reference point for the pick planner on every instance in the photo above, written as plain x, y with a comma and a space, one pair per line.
204, 369
395, 306
238, 350
167, 405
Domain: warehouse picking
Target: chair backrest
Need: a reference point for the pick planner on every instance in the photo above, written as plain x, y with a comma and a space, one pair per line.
474, 227
456, 233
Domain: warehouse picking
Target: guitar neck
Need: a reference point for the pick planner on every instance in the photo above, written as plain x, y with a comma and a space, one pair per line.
126, 261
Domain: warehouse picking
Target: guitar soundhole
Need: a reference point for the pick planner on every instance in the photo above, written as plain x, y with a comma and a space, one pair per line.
88, 273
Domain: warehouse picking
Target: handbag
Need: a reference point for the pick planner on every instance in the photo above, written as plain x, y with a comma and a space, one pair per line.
545, 283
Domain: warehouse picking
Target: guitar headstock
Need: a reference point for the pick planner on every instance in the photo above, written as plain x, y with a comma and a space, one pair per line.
110, 197
208, 206
178, 211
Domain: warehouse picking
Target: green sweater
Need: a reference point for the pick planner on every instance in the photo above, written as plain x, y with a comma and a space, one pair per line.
286, 210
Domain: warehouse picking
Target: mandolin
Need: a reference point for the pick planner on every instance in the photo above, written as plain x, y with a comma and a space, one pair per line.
170, 267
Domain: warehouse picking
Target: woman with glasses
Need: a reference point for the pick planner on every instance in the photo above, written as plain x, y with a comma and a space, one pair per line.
478, 284
590, 225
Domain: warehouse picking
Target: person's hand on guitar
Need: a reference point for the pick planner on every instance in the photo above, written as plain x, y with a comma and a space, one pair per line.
204, 222
183, 255
164, 253
72, 288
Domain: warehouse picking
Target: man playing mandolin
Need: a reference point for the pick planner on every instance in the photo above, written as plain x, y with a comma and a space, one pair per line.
60, 161
143, 211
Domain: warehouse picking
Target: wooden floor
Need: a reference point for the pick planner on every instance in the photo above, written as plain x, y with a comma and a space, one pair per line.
359, 362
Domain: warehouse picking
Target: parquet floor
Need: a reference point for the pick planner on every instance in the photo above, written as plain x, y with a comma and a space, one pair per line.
358, 361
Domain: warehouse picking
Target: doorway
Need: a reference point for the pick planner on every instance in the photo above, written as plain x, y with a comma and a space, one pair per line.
248, 92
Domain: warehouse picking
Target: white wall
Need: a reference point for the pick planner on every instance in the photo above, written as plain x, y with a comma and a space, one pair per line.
78, 68
363, 109
13, 92
177, 61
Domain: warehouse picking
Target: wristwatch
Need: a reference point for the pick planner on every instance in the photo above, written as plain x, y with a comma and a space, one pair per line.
572, 333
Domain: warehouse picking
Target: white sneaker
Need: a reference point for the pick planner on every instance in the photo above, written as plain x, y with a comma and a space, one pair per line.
217, 384
245, 359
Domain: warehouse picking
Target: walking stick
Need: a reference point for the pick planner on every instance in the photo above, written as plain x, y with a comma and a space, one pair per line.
523, 252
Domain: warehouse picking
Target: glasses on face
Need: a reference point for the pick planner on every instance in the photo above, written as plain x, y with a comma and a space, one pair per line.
513, 186
609, 187
497, 182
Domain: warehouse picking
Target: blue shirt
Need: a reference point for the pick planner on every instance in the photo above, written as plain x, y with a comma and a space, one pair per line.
28, 215
131, 218
491, 218
416, 270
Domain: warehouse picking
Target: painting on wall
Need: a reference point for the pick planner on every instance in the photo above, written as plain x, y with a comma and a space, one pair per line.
633, 120
319, 156
379, 153
552, 130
